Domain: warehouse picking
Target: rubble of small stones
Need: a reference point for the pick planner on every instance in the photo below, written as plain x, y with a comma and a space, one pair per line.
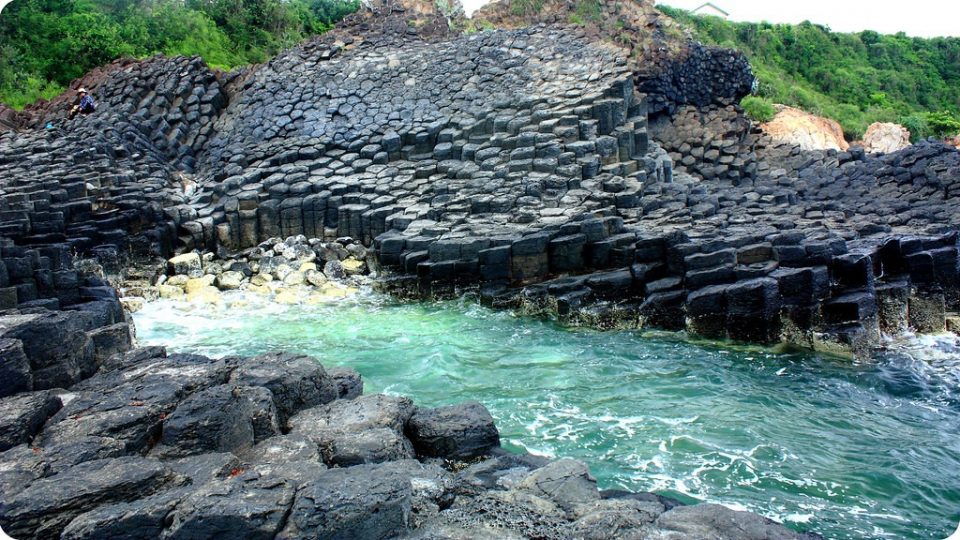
294, 270
142, 444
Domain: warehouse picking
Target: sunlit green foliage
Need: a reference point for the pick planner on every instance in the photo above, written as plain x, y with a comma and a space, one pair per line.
856, 79
48, 43
758, 108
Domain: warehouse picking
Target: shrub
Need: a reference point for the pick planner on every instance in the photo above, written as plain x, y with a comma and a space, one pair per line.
943, 124
758, 109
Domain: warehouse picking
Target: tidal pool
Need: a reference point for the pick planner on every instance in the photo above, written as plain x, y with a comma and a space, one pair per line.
845, 449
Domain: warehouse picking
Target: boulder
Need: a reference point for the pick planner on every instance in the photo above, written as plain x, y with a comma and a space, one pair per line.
566, 482
20, 466
496, 515
126, 408
22, 416
368, 429
247, 506
229, 280
503, 471
808, 131
334, 270
225, 418
14, 368
885, 138
297, 382
364, 412
463, 431
314, 277
615, 519
110, 340
716, 522
294, 279
142, 519
348, 380
202, 468
47, 506
292, 457
55, 343
188, 264
357, 503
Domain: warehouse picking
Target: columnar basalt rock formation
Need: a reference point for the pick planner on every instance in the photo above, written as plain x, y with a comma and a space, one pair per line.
501, 159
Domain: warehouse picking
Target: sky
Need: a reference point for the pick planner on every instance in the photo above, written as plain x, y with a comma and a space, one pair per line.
925, 18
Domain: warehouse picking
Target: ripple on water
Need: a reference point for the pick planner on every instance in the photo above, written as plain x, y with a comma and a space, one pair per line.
849, 450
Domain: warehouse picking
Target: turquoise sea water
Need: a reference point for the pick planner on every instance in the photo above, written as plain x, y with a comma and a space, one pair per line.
848, 450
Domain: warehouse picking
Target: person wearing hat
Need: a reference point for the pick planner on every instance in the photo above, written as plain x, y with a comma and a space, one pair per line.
83, 105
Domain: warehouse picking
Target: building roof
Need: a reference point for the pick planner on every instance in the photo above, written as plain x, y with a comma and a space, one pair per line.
712, 5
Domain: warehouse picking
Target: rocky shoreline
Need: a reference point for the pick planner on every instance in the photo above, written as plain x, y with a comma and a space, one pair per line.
545, 168
148, 445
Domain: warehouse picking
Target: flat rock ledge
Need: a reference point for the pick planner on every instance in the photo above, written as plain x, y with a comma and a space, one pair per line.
153, 445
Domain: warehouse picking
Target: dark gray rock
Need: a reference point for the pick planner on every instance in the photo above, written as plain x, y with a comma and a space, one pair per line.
47, 506
246, 506
223, 418
349, 382
461, 431
143, 519
368, 429
297, 382
22, 416
566, 482
126, 408
20, 466
615, 519
15, 373
292, 457
358, 503
56, 344
715, 522
203, 468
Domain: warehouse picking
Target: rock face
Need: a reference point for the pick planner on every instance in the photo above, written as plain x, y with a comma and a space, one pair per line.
217, 465
805, 130
885, 138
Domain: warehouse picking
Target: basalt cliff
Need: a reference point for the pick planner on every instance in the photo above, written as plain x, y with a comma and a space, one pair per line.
605, 178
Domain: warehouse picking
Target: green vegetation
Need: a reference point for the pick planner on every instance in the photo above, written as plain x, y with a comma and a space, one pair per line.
856, 79
472, 26
525, 8
48, 43
758, 109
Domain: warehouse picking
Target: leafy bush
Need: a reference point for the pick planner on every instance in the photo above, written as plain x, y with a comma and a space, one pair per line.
855, 79
588, 10
943, 124
48, 43
917, 125
758, 109
522, 8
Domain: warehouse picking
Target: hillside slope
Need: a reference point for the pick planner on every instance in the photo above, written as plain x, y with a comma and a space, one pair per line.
856, 79
44, 44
